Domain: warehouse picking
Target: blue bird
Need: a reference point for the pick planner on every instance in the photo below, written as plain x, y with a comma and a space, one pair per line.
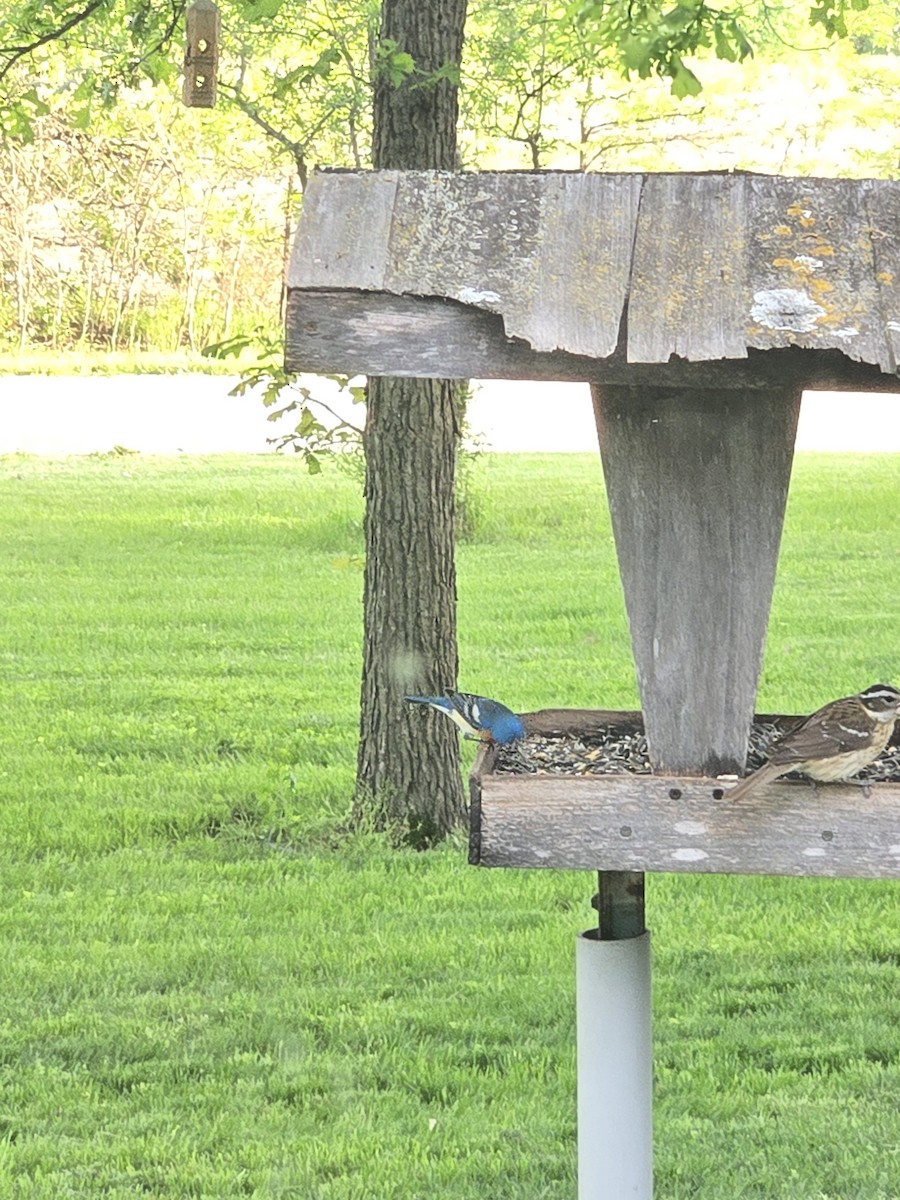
479, 718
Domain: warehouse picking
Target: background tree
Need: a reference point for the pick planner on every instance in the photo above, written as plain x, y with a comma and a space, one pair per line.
408, 768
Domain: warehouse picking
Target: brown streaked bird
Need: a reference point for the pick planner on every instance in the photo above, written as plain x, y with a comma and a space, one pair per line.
836, 742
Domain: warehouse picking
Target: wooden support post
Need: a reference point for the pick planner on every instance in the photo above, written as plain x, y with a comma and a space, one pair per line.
697, 483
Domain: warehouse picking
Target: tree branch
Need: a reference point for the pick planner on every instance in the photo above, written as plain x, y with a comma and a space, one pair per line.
177, 14
282, 138
17, 52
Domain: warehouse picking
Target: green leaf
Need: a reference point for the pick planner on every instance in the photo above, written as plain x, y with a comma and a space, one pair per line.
283, 85
449, 71
159, 68
401, 65
35, 103
636, 55
830, 15
396, 64
300, 76
685, 82
17, 123
329, 58
255, 10
745, 48
228, 348
308, 425
730, 42
288, 408
275, 385
724, 48
677, 19
85, 89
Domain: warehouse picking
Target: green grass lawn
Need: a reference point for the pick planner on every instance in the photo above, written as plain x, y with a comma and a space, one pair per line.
208, 991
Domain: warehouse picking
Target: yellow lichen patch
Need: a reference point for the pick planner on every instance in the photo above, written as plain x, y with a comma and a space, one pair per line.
806, 221
795, 210
820, 285
834, 320
885, 277
783, 230
803, 266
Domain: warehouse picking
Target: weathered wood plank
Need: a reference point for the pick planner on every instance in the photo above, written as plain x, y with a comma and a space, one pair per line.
672, 823
447, 240
572, 722
367, 333
811, 270
583, 265
556, 265
343, 239
883, 210
697, 484
723, 263
689, 288
370, 333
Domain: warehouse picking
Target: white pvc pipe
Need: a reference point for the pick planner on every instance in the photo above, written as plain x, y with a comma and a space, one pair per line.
615, 1068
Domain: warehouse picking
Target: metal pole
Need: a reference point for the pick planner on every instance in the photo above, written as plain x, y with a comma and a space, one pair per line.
620, 904
615, 1066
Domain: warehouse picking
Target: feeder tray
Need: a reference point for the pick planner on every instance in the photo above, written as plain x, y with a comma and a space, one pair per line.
593, 805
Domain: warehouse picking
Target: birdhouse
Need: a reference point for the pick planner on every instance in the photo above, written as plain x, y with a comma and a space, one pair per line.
201, 54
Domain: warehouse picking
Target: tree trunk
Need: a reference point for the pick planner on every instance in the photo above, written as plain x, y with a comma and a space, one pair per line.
414, 127
408, 777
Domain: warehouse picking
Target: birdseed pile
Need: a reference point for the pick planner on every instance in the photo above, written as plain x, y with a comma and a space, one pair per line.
619, 750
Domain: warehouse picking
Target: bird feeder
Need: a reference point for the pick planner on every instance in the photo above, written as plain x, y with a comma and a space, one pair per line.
669, 822
698, 307
201, 54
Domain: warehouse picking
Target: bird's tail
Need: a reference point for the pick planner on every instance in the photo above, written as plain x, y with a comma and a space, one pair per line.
765, 774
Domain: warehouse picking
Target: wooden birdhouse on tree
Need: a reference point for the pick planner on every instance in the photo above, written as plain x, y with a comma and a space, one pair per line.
201, 54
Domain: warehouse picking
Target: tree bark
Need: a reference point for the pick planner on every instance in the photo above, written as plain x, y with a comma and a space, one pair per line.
414, 126
408, 776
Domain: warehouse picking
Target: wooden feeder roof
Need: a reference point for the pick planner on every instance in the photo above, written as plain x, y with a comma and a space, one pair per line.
554, 274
